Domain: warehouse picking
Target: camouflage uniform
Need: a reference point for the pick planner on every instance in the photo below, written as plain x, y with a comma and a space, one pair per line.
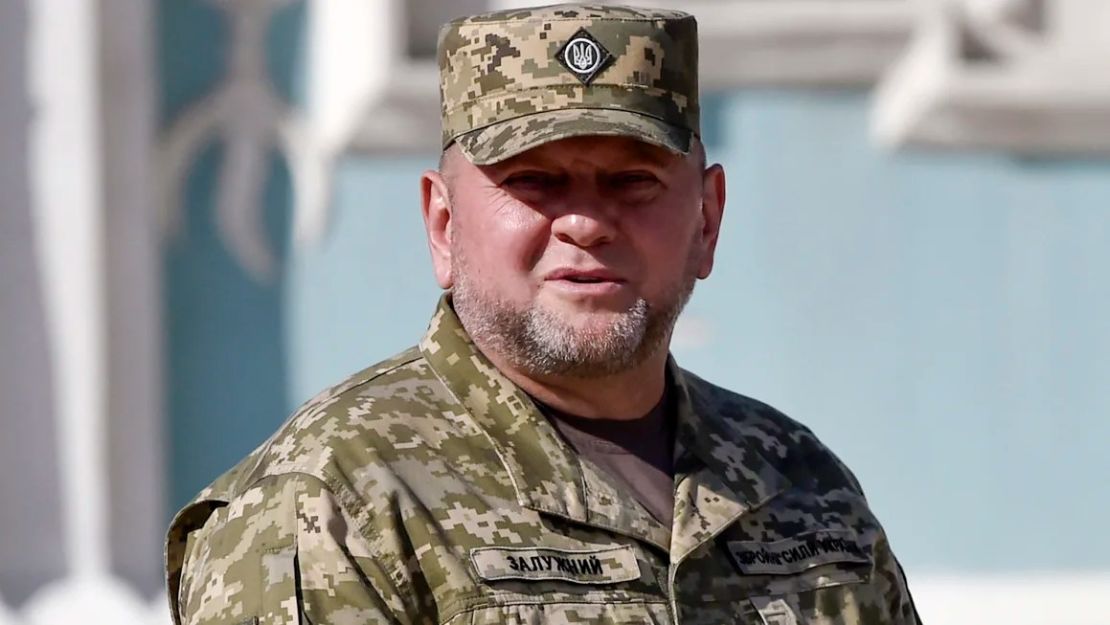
430, 489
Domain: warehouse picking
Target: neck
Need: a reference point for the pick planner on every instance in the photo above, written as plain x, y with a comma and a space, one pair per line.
626, 395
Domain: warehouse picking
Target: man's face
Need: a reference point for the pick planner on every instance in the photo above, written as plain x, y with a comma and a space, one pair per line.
576, 257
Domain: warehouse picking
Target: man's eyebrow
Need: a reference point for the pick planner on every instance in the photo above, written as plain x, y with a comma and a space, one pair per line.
520, 161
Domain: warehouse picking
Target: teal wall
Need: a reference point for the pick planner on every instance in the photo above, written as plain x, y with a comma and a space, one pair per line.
940, 320
226, 354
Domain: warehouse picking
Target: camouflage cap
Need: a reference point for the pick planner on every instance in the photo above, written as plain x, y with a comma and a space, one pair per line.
514, 79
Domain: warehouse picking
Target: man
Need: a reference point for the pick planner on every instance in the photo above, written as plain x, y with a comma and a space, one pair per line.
538, 457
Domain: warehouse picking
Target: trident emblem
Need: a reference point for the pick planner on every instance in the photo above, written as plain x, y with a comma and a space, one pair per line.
583, 55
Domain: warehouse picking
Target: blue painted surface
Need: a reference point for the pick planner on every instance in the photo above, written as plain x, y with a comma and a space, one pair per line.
192, 40
227, 357
286, 53
226, 350
368, 290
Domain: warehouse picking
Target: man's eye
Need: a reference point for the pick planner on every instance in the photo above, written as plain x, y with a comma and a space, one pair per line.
635, 180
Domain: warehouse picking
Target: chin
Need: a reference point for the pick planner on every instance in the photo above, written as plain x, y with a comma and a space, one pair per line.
615, 304
586, 319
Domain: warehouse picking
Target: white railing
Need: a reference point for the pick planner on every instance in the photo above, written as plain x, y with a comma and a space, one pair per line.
1034, 84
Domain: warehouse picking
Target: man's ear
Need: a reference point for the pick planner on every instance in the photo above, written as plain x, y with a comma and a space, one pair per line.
437, 224
712, 210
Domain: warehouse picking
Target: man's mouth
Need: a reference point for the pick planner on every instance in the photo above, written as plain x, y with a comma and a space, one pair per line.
580, 282
584, 276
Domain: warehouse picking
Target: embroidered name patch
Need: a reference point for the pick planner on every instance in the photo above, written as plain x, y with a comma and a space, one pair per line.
594, 566
794, 555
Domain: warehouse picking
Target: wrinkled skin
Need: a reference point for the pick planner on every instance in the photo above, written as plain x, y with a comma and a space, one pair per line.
644, 217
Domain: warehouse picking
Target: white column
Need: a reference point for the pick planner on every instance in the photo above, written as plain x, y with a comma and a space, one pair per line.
66, 192
66, 198
132, 267
31, 508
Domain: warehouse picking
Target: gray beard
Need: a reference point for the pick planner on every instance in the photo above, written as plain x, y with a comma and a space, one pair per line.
538, 342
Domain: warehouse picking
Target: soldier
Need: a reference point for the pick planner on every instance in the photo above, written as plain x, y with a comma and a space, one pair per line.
539, 457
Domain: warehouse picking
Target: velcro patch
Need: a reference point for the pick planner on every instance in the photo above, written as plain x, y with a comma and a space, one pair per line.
774, 611
591, 566
797, 554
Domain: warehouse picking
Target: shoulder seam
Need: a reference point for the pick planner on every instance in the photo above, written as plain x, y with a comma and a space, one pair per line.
370, 377
315, 409
309, 409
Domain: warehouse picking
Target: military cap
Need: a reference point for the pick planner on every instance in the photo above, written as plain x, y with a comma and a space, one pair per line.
514, 79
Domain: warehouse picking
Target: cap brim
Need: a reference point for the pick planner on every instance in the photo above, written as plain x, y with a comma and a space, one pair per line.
502, 140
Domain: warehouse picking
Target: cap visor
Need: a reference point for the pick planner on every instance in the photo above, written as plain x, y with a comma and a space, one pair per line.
503, 140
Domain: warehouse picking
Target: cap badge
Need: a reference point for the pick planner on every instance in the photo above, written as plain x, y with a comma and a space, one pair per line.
584, 56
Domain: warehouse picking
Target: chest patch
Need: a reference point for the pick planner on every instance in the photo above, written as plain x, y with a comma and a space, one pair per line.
797, 554
774, 611
592, 566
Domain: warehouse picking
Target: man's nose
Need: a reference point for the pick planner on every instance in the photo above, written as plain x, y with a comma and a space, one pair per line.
585, 223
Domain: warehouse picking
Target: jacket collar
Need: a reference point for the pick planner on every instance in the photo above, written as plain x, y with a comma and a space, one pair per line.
721, 471
727, 474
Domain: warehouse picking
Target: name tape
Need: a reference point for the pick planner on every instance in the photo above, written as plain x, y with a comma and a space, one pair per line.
593, 566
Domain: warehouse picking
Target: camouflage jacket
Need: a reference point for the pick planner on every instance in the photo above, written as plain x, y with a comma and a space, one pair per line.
429, 489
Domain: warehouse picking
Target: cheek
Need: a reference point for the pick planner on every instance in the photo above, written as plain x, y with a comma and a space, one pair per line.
669, 233
502, 236
665, 245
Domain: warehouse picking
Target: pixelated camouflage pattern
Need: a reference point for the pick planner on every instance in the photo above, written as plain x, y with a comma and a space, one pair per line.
370, 503
502, 69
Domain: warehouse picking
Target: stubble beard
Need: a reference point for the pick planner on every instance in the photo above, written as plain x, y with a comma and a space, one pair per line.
540, 342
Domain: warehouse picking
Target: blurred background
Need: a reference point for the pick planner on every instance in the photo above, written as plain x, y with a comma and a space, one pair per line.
210, 211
